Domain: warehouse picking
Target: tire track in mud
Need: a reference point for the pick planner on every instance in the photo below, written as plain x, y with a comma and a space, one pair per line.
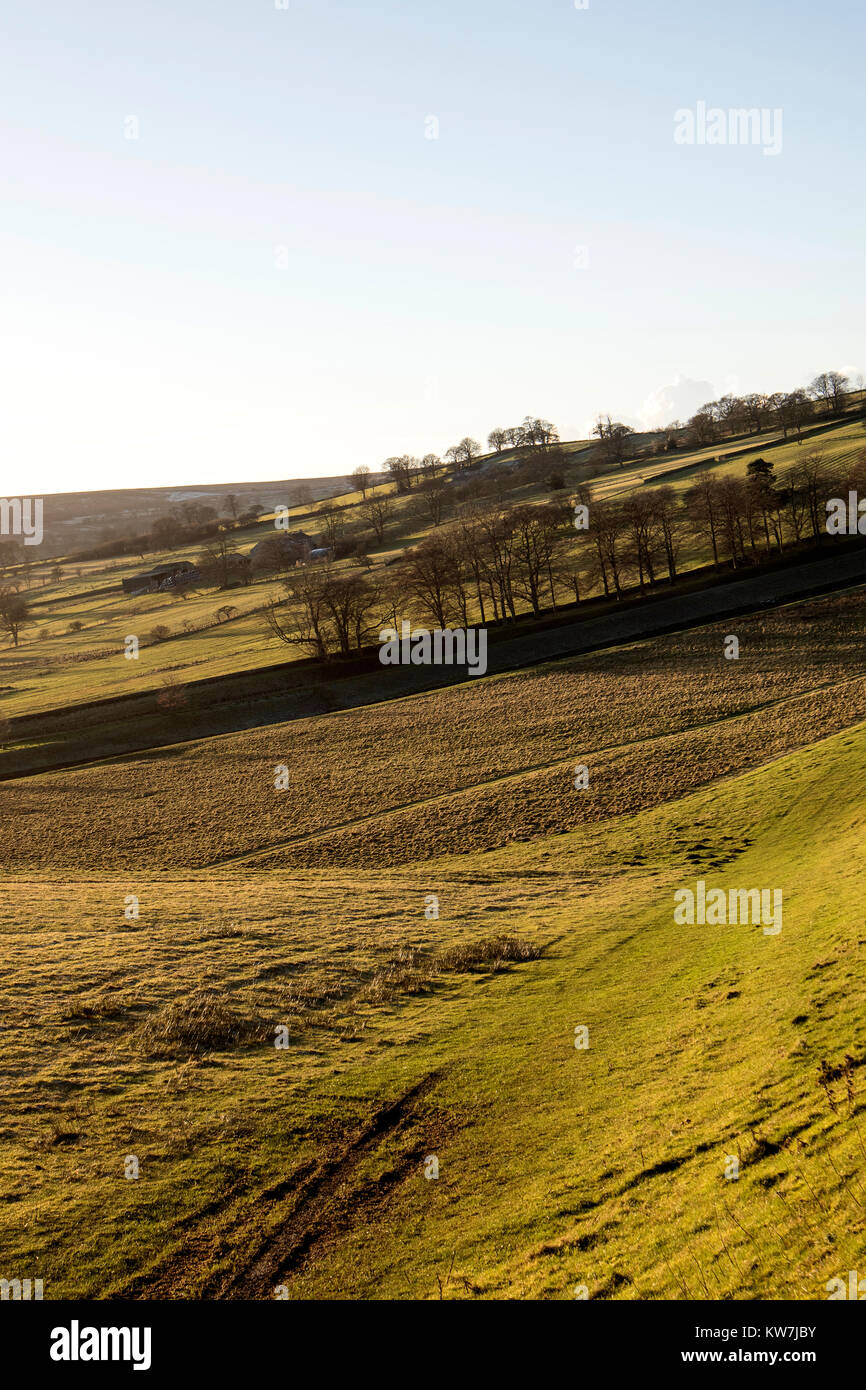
321, 1201
328, 1200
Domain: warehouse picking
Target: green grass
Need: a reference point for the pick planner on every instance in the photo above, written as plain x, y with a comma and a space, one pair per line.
840, 445
559, 1167
605, 1167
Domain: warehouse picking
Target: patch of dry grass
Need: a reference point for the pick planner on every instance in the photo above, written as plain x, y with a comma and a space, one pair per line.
198, 1023
491, 953
201, 804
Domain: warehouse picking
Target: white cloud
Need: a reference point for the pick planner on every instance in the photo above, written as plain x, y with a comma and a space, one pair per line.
677, 401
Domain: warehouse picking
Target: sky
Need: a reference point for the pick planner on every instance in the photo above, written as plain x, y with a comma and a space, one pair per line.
247, 242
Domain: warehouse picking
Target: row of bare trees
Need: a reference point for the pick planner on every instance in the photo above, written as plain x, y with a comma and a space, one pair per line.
534, 432
732, 521
726, 417
739, 519
405, 471
789, 411
495, 563
490, 564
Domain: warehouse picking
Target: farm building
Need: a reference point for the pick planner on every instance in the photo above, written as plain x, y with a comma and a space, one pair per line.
281, 550
162, 577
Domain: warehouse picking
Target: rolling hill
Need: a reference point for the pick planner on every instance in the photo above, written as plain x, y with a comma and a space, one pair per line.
427, 917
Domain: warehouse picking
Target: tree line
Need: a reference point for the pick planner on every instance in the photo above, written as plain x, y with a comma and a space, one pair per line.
789, 411
496, 563
405, 471
729, 416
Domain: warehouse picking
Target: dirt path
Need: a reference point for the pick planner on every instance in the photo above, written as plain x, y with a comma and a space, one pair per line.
318, 1202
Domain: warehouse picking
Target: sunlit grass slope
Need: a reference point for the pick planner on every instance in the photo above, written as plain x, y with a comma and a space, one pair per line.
559, 1167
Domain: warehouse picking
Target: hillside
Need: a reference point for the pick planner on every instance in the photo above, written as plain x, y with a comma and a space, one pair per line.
72, 643
76, 520
413, 1035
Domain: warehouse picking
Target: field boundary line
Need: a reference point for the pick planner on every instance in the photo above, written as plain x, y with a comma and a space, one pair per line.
306, 838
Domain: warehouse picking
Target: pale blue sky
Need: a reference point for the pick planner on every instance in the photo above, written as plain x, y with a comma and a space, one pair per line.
428, 288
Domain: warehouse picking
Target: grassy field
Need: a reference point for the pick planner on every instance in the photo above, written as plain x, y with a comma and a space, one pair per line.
72, 650
163, 917
469, 766
841, 445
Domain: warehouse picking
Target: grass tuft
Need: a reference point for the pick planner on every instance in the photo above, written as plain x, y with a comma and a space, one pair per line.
492, 953
196, 1023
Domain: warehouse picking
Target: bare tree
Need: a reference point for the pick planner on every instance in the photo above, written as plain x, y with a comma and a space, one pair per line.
702, 427
11, 553
429, 574
614, 438
495, 531
831, 388
538, 432
325, 610
642, 532
704, 511
377, 511
401, 468
218, 559
435, 495
14, 612
166, 533
607, 531
332, 518
349, 600
464, 453
668, 515
794, 410
537, 543
361, 479
300, 618
730, 413
470, 542
757, 409
732, 497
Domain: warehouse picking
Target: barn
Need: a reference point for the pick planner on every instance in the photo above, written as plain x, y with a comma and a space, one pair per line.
162, 578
